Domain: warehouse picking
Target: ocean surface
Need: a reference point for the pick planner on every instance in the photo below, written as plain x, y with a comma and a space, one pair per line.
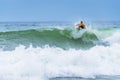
58, 51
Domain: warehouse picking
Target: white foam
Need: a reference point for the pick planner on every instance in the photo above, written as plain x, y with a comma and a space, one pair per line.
114, 38
42, 63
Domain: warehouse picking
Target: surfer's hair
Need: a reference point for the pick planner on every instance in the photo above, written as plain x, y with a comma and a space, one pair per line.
81, 22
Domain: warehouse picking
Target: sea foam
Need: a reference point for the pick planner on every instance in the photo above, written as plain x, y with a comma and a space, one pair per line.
48, 62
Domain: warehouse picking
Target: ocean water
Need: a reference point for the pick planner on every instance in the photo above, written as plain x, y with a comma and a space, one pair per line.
58, 51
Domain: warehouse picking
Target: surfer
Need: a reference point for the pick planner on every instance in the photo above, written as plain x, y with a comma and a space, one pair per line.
81, 25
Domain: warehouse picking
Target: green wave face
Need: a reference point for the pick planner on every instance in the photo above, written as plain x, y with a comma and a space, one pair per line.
52, 37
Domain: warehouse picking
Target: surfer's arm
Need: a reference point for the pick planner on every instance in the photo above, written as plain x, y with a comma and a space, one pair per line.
78, 27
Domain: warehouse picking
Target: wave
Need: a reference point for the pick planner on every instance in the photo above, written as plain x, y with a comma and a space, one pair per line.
60, 53
49, 62
66, 38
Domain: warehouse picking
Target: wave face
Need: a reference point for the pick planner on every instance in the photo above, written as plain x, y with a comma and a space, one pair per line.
53, 37
47, 51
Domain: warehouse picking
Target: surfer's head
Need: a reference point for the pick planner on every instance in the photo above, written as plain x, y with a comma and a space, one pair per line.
81, 22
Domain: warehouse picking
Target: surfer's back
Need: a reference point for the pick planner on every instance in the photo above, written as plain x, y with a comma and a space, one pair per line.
81, 25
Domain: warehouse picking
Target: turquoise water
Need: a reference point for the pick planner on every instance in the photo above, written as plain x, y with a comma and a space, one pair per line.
57, 51
62, 35
53, 37
103, 77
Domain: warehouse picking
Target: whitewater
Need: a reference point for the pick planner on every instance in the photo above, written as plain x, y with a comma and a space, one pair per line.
57, 51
